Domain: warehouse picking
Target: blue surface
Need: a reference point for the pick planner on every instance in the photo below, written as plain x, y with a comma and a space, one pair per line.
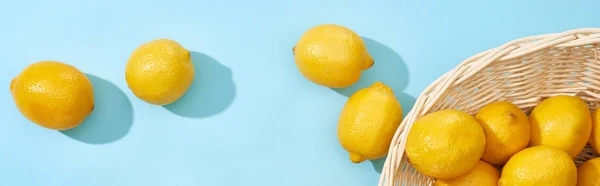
251, 118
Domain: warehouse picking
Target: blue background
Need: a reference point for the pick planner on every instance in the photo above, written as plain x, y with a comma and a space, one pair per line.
250, 118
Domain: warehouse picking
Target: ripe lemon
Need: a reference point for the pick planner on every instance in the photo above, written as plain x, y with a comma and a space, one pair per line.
160, 71
53, 95
595, 136
563, 122
588, 174
331, 55
445, 144
482, 174
506, 130
539, 165
368, 122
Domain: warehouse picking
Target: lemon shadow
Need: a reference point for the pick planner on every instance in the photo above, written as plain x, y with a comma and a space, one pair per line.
111, 118
378, 164
211, 92
388, 68
407, 102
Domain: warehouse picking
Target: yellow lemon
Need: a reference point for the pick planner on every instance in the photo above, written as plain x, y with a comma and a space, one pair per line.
563, 122
539, 165
445, 144
506, 130
483, 174
368, 122
588, 174
595, 136
160, 71
331, 55
53, 95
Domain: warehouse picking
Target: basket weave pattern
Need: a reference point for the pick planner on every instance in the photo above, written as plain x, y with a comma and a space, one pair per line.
524, 72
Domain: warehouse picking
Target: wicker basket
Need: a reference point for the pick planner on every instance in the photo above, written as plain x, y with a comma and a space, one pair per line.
523, 71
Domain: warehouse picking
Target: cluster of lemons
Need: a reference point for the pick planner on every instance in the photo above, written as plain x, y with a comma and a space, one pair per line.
501, 145
58, 96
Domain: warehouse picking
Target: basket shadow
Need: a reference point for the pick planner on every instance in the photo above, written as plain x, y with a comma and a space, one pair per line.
211, 92
112, 116
388, 68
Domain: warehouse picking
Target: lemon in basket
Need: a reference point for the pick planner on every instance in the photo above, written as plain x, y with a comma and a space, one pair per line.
506, 130
595, 136
588, 174
445, 144
368, 122
331, 55
539, 165
481, 175
159, 72
53, 95
561, 121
